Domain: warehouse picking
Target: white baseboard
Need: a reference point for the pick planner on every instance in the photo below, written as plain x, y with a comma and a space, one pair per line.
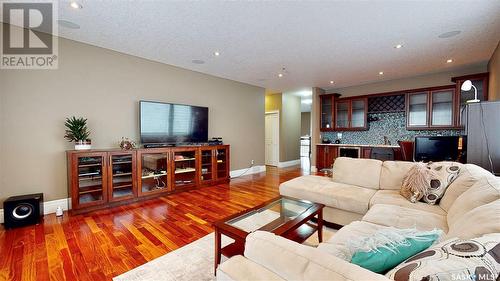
49, 207
253, 170
288, 163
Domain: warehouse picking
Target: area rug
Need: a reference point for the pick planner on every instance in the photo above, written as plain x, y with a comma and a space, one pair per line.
194, 261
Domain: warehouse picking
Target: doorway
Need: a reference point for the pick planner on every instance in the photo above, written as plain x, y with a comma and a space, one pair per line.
272, 127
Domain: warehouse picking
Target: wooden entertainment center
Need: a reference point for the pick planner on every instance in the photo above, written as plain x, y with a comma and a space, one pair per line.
104, 178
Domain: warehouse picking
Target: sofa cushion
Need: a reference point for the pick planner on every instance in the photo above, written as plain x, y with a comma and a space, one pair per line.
392, 197
479, 221
360, 172
333, 194
293, 261
338, 245
455, 259
484, 191
393, 173
468, 175
240, 268
401, 217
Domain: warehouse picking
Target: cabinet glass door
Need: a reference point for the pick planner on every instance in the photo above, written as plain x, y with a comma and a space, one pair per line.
326, 112
122, 176
207, 166
184, 168
442, 108
154, 172
417, 109
90, 179
342, 116
358, 117
221, 159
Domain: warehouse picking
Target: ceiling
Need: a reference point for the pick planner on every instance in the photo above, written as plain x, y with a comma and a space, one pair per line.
347, 42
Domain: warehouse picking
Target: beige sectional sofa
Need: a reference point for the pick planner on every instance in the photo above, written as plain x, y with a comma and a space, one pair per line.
364, 197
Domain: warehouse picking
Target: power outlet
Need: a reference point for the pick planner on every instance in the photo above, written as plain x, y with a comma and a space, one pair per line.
252, 162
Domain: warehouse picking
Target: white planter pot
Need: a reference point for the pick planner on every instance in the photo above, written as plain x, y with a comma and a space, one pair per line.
82, 145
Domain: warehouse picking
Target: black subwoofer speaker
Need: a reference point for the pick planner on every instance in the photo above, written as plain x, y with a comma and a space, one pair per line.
23, 210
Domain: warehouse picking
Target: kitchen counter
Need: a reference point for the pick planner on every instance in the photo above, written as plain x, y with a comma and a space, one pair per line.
358, 145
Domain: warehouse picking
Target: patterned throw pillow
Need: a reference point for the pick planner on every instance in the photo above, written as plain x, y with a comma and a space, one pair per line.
454, 259
443, 174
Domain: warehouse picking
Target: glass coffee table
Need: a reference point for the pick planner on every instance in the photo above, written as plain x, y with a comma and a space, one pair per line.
284, 216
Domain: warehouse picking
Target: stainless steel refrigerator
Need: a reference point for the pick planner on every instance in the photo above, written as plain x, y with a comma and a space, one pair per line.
483, 135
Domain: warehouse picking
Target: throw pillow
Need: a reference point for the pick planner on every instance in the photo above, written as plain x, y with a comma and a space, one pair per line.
417, 182
454, 259
443, 174
388, 247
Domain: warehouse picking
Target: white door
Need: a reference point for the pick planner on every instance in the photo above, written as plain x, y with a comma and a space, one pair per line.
272, 138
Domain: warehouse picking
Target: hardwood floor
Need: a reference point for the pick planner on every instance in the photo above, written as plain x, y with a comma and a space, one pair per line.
106, 243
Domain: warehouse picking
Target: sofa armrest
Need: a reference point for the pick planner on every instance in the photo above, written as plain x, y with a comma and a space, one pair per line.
293, 261
239, 268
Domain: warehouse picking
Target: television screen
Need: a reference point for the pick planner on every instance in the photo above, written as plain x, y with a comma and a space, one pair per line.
172, 123
441, 148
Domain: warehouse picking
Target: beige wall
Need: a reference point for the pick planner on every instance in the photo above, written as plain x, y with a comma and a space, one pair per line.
105, 87
428, 80
290, 129
494, 70
305, 123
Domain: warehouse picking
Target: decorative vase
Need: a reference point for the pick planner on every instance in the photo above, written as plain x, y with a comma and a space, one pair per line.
83, 144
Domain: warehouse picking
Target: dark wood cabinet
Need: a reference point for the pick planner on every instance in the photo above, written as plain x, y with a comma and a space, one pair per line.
432, 108
351, 114
366, 152
88, 179
325, 156
122, 177
327, 115
105, 178
480, 81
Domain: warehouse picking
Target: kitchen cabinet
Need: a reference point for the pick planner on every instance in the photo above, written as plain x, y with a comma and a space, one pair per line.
325, 156
433, 108
351, 114
327, 103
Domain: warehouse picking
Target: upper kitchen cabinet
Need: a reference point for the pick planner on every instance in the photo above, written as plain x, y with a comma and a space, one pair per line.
327, 104
351, 114
480, 82
431, 109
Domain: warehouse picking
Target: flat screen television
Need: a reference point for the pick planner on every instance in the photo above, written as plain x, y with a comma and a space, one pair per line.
168, 123
440, 148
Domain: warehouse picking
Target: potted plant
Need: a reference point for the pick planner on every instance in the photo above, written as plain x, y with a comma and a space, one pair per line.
77, 132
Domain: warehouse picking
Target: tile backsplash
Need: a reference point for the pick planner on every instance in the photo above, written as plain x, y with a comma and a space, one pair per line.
392, 125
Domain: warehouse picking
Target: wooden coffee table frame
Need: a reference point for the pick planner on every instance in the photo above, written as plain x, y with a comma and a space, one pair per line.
298, 229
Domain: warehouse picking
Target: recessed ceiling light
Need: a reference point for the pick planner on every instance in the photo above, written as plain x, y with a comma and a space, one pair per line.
75, 5
68, 24
331, 82
280, 75
198, 61
216, 53
381, 73
398, 46
449, 61
449, 34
